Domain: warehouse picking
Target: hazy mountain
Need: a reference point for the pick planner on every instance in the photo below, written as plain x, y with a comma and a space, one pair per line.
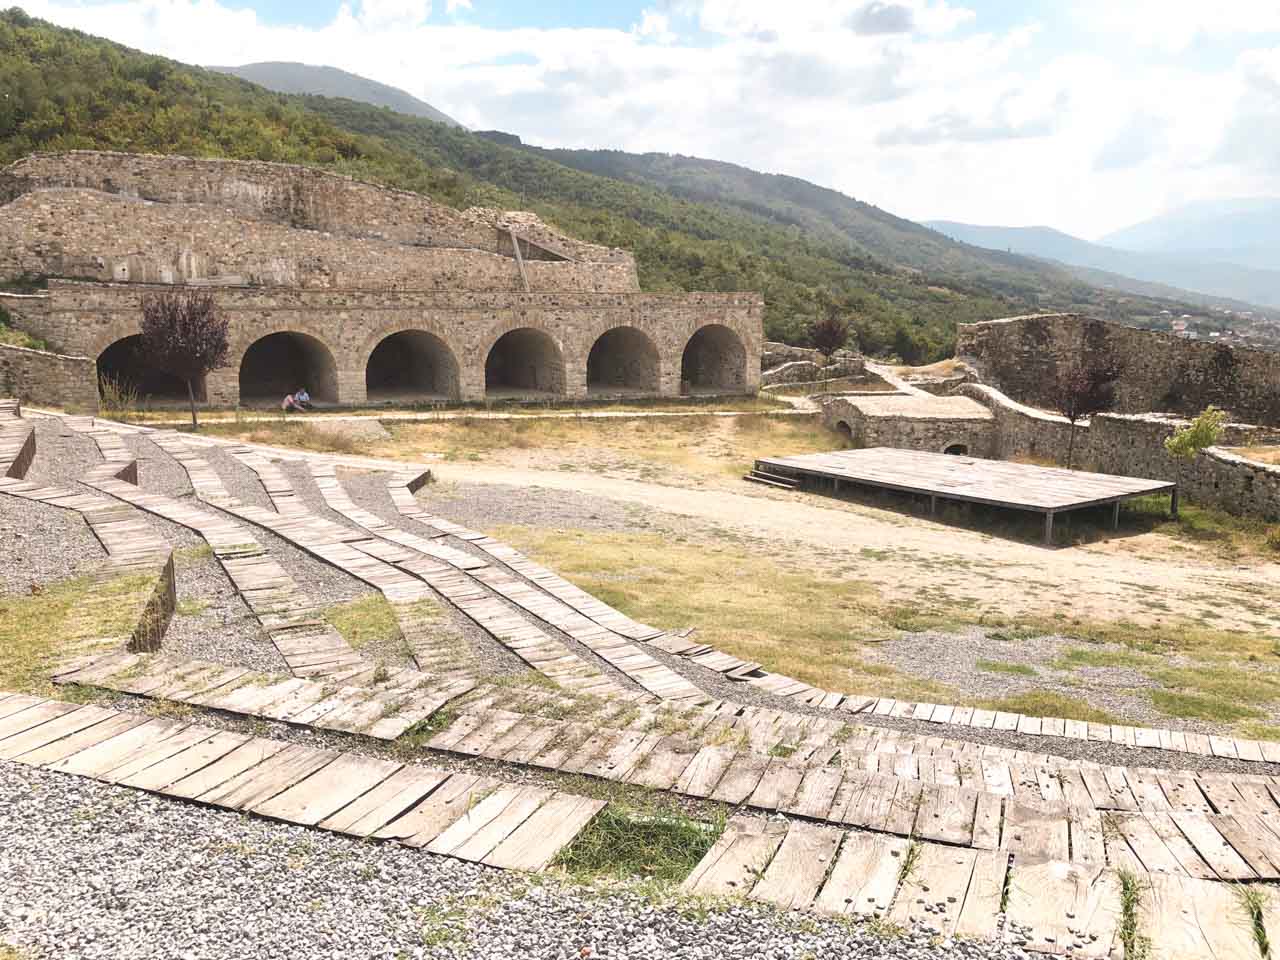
1177, 272
332, 82
1245, 232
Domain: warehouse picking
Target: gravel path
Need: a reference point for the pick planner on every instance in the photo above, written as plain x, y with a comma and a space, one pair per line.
95, 871
43, 544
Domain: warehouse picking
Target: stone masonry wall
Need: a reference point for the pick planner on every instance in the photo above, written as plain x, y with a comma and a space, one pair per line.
912, 431
86, 318
48, 379
89, 234
1021, 355
293, 195
1024, 433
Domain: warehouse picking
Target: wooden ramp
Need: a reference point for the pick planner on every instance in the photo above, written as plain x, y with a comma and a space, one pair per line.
458, 815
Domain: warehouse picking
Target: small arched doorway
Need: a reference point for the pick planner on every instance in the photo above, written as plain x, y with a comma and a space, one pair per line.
524, 363
714, 361
410, 366
281, 363
123, 370
845, 431
957, 450
623, 360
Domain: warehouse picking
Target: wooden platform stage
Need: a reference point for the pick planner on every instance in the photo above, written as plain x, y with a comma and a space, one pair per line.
1019, 486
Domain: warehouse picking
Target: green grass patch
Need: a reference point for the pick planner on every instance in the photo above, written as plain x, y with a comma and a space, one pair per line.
1074, 657
624, 841
62, 620
1227, 683
365, 620
191, 607
1004, 666
1046, 703
1192, 706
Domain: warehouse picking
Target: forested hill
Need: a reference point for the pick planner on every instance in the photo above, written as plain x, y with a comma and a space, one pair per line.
702, 227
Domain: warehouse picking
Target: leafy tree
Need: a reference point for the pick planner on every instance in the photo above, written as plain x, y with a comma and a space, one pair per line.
1085, 386
1202, 432
183, 334
829, 331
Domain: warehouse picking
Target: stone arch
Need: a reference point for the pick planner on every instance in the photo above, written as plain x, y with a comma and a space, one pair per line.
714, 361
956, 449
623, 359
122, 363
279, 363
845, 431
410, 365
524, 361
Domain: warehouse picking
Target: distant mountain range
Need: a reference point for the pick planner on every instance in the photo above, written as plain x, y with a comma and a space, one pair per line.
285, 77
1167, 261
1244, 232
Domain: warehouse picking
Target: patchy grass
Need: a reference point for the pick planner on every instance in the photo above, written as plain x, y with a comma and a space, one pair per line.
285, 433
191, 607
62, 620
1135, 945
363, 621
624, 841
1266, 454
1074, 657
1004, 666
1191, 706
796, 622
1047, 703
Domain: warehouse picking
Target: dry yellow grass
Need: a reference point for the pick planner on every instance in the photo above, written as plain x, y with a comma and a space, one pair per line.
1260, 454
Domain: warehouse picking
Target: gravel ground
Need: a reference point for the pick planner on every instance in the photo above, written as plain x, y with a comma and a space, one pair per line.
95, 871
62, 457
43, 544
157, 471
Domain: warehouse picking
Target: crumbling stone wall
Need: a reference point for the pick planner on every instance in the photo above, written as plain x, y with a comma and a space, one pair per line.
1024, 433
86, 318
296, 196
936, 425
48, 379
88, 234
1021, 356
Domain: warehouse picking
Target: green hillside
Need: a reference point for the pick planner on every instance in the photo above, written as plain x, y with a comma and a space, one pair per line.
700, 227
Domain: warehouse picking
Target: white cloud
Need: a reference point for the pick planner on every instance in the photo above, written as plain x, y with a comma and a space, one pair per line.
917, 106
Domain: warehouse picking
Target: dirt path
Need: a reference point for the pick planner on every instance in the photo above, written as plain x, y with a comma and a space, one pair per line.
1144, 578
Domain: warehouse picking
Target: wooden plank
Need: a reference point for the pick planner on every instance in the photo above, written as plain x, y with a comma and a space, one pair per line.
1180, 847
33, 716
424, 822
817, 791
327, 791
740, 778
738, 858
94, 735
981, 909
63, 724
390, 799
865, 875
148, 755
704, 771
100, 759
209, 749
933, 893
947, 814
1257, 845
274, 775
1188, 919
1212, 846
536, 842
474, 845
1036, 834
247, 756
1057, 907
796, 873
1145, 843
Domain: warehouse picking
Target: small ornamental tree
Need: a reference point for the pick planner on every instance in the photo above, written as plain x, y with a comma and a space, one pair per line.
1085, 386
1186, 442
184, 335
829, 331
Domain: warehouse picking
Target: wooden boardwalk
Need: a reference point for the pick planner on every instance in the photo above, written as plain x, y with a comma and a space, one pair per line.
1043, 905
999, 483
458, 815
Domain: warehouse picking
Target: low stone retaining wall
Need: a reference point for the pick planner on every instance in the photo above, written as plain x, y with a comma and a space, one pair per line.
48, 379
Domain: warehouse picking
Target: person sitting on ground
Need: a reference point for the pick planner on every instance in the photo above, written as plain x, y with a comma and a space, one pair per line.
302, 399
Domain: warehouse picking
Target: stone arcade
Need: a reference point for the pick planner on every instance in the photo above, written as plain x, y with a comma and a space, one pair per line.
362, 293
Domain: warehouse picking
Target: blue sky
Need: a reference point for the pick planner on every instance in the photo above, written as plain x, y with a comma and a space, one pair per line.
1085, 115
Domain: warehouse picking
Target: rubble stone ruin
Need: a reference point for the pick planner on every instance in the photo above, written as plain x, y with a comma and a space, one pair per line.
361, 293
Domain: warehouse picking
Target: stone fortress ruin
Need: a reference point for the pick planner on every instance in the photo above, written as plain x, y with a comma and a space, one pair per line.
993, 400
362, 293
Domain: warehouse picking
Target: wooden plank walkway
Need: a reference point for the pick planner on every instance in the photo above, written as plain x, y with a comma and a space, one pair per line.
456, 815
17, 444
382, 710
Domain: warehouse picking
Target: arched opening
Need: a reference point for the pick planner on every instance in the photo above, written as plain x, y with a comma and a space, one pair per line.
281, 363
123, 368
524, 363
411, 366
845, 431
957, 450
714, 361
623, 360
